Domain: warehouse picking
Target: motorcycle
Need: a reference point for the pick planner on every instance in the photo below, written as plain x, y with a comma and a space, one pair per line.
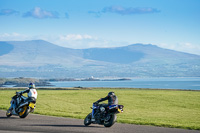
103, 116
24, 106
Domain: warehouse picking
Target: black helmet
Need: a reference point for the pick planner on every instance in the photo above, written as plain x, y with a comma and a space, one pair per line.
31, 85
111, 93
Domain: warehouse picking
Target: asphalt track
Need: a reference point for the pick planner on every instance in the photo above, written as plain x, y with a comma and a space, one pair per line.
40, 123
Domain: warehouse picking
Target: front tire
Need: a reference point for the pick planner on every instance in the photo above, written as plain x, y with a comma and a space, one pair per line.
110, 121
87, 120
8, 113
25, 112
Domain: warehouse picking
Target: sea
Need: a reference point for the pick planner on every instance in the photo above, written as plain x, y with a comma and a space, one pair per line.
189, 83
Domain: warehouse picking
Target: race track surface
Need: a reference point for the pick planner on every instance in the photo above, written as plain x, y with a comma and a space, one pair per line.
40, 123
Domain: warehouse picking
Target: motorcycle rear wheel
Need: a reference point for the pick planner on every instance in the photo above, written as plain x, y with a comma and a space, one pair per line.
87, 120
25, 112
110, 121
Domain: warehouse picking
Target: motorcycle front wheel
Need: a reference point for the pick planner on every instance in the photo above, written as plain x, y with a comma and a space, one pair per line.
25, 112
110, 121
87, 120
8, 113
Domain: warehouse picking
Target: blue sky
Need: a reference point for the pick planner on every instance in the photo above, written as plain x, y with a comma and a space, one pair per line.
172, 24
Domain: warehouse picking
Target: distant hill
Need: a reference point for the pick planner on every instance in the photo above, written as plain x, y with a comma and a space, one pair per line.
120, 55
36, 53
5, 48
38, 58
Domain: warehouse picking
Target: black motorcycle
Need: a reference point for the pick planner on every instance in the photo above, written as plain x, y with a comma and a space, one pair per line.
103, 116
24, 106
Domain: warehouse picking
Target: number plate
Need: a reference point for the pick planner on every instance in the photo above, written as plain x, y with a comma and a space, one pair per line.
32, 105
119, 110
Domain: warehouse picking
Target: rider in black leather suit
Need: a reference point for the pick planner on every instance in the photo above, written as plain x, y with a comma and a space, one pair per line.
111, 97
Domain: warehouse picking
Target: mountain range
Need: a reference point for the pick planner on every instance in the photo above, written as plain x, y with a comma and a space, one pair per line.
38, 58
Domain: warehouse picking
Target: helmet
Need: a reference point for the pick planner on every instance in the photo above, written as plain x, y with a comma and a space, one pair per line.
31, 85
111, 93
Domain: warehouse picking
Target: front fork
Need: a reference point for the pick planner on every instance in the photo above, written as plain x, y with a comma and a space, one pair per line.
93, 110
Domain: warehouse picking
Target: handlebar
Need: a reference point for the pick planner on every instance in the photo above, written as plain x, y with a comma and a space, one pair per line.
18, 93
96, 103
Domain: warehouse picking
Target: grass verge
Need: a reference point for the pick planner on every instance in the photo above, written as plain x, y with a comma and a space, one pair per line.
166, 108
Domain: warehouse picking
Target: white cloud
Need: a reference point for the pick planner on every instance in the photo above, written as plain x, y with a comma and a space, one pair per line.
13, 37
82, 41
183, 47
39, 13
75, 37
7, 12
79, 41
125, 10
131, 10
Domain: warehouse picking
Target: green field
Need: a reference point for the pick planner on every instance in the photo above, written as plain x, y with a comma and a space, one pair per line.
168, 108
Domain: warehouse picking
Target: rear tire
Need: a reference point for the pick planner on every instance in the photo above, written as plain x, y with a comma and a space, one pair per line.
87, 120
111, 121
25, 112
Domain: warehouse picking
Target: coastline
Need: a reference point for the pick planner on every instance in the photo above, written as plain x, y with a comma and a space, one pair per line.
92, 88
186, 83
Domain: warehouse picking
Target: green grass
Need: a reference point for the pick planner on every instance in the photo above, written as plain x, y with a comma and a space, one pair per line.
168, 108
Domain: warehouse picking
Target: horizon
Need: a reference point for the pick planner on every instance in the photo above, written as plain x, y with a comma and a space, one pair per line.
169, 24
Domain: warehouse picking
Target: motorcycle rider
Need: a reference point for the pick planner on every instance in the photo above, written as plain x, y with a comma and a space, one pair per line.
112, 100
32, 95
